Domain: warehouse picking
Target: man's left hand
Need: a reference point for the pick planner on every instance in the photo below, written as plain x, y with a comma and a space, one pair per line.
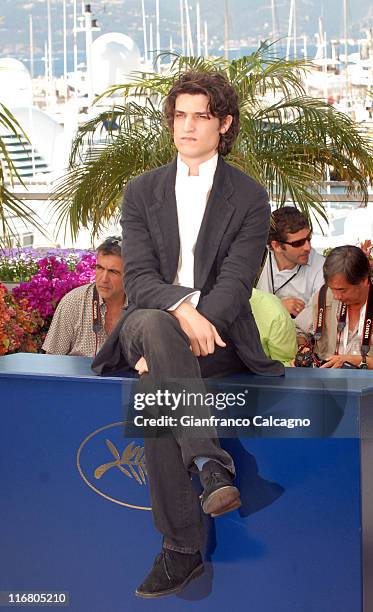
141, 366
337, 361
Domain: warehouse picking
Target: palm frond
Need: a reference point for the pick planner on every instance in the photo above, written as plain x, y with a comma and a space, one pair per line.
287, 140
90, 193
11, 207
10, 123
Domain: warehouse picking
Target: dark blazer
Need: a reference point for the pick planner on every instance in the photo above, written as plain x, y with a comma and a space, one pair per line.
227, 257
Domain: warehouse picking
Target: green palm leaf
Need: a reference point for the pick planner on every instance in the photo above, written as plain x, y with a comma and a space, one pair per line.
287, 141
11, 206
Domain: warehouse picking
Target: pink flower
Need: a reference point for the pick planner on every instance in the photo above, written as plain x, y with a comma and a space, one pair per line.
52, 281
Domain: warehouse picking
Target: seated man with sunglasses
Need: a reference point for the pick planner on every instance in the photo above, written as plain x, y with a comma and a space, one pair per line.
85, 316
293, 270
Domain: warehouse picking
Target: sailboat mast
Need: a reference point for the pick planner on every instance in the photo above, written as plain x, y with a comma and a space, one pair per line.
295, 29
31, 47
157, 33
144, 31
182, 27
88, 52
290, 27
190, 50
274, 21
226, 29
151, 42
64, 42
75, 44
50, 66
345, 28
198, 16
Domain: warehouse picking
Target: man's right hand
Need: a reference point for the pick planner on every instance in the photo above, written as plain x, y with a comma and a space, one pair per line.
293, 305
202, 334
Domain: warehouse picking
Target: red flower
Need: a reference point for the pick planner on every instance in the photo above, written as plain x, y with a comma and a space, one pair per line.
25, 315
18, 325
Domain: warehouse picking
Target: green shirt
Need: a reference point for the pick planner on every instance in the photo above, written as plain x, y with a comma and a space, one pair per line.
275, 325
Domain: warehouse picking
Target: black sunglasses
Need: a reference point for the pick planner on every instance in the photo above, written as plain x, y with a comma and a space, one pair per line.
296, 244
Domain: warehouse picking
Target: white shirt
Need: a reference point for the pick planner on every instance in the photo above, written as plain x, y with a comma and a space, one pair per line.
192, 193
350, 342
299, 283
351, 339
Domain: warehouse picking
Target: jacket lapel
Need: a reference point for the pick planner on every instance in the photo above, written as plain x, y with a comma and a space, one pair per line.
218, 213
163, 214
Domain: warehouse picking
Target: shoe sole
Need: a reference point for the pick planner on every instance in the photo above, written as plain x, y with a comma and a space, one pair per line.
198, 571
221, 501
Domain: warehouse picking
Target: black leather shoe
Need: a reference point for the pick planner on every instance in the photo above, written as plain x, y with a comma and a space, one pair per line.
219, 495
171, 572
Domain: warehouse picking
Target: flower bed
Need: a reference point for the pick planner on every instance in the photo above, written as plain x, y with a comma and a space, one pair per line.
19, 265
19, 325
45, 277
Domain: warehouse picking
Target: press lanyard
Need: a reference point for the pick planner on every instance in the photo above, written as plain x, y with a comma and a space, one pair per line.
367, 326
96, 316
274, 291
342, 318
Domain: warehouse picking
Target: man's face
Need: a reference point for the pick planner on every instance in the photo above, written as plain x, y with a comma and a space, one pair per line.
293, 254
196, 131
347, 293
109, 276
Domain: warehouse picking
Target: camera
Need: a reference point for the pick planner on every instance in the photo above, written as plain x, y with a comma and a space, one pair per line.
306, 356
347, 365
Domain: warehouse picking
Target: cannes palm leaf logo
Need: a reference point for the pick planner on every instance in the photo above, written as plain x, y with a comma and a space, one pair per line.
131, 462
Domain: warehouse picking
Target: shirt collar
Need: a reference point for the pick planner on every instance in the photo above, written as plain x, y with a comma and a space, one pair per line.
206, 169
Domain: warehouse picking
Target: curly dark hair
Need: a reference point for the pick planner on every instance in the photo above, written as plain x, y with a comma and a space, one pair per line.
286, 220
223, 101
